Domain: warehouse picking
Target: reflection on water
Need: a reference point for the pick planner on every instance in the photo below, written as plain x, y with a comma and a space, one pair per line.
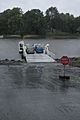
43, 76
64, 86
35, 92
28, 76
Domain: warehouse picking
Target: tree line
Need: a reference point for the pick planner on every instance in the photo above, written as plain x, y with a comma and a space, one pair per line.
14, 21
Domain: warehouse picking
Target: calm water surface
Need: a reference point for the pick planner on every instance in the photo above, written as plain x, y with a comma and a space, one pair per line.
34, 91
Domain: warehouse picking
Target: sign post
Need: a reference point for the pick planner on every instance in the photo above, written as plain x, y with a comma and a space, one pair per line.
64, 70
65, 61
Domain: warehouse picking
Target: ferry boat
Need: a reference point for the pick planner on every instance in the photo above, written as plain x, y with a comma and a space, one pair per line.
36, 52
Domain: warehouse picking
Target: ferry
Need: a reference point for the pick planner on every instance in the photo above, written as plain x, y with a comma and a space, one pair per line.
36, 53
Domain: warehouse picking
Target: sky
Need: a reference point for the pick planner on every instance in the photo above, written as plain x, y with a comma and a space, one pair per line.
65, 6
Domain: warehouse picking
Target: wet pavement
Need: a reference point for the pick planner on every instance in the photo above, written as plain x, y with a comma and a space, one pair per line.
34, 92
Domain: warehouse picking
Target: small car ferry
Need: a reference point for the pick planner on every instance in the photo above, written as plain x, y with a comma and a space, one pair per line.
36, 52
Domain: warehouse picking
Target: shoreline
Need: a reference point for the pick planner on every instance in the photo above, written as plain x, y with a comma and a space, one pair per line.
75, 62
11, 62
40, 36
64, 37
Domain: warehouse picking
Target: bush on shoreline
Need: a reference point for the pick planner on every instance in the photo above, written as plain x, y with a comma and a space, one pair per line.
48, 35
75, 61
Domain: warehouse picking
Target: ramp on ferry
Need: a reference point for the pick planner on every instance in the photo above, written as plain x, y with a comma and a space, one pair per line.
39, 58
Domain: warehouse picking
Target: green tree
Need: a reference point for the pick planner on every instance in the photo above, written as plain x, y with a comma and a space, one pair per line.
34, 22
68, 23
52, 18
11, 21
4, 22
77, 24
15, 21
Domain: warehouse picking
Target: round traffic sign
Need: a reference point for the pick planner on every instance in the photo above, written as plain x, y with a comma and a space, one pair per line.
64, 60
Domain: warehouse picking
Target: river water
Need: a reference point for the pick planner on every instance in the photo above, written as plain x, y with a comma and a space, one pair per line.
69, 47
34, 91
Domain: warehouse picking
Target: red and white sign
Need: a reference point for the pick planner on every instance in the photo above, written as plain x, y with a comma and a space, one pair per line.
64, 60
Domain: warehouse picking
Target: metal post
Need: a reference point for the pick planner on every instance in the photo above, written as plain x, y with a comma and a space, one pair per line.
64, 70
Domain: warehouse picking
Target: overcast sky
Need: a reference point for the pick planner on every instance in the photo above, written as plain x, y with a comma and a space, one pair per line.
65, 6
